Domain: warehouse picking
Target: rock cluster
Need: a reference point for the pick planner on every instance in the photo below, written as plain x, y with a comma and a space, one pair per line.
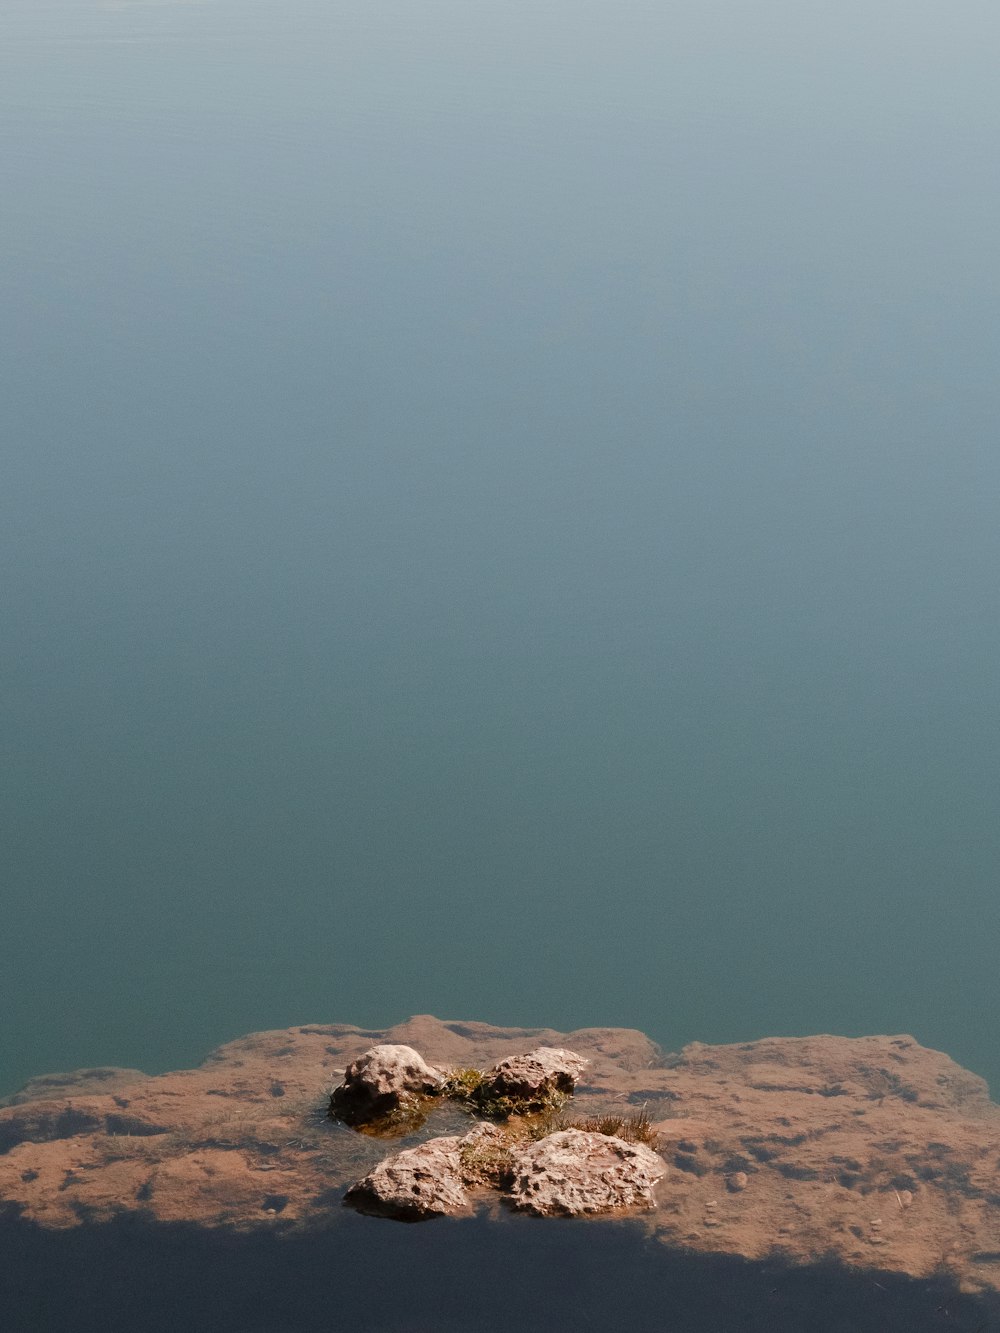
390, 1085
563, 1172
570, 1173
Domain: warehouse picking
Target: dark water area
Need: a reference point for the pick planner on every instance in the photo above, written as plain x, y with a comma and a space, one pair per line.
442, 1277
498, 519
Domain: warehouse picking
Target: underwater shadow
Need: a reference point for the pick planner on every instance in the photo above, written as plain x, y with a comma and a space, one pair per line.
380, 1277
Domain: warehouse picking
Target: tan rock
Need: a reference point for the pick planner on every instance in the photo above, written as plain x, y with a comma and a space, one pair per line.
382, 1081
575, 1172
417, 1183
537, 1077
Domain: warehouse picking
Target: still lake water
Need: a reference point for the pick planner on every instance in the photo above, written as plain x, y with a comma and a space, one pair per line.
446, 1277
499, 518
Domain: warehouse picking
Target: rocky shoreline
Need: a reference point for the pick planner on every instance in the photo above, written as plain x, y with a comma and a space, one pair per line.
871, 1153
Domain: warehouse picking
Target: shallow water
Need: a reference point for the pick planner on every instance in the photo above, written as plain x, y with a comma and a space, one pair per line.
499, 520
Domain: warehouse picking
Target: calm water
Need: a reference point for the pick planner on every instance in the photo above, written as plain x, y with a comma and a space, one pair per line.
379, 1277
499, 518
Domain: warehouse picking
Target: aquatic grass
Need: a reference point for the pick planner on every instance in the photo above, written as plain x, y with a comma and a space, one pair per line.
398, 1123
474, 1090
632, 1127
488, 1163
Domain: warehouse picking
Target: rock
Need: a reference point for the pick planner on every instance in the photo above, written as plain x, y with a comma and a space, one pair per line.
417, 1183
575, 1172
536, 1081
383, 1080
433, 1179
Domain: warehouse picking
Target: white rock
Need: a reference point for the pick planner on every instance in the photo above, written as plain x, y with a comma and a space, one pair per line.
432, 1179
535, 1076
383, 1080
420, 1182
575, 1172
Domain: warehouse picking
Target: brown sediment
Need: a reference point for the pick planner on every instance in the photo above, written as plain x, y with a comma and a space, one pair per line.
874, 1152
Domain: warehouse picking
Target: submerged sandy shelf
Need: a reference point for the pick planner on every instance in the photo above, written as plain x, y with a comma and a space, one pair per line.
873, 1152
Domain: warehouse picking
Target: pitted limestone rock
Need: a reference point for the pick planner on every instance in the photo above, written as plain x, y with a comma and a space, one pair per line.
432, 1179
417, 1183
383, 1080
574, 1172
534, 1080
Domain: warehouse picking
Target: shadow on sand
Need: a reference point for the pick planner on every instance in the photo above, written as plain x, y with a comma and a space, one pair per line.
477, 1277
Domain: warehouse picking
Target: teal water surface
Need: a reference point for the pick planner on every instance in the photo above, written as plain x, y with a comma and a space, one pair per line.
499, 519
